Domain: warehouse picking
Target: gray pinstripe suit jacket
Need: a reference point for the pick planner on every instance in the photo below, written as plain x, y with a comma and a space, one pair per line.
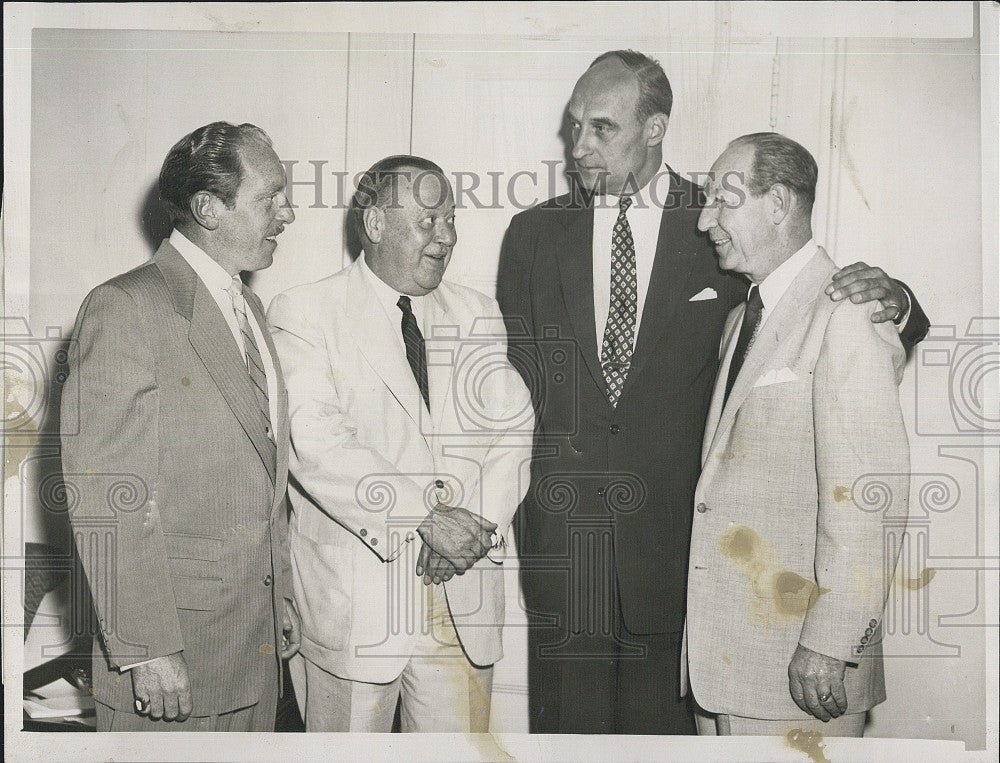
178, 509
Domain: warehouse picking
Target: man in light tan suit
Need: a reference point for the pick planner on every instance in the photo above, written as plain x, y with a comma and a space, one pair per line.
787, 577
411, 437
176, 478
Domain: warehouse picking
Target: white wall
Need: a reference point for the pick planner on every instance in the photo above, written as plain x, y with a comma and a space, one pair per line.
894, 125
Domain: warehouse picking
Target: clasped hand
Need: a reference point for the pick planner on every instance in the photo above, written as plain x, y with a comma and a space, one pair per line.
454, 540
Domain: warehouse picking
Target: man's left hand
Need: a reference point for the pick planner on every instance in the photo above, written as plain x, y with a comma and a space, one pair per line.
816, 683
863, 283
291, 638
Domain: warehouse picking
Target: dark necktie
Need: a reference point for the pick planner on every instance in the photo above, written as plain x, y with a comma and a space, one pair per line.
255, 365
619, 333
414, 341
751, 319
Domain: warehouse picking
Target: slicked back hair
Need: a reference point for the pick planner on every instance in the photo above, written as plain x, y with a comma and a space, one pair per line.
377, 186
655, 95
207, 159
778, 159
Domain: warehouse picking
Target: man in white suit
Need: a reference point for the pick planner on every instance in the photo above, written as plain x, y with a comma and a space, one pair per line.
787, 578
410, 432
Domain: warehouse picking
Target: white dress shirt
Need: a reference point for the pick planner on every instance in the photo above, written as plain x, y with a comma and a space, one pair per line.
774, 286
388, 297
217, 281
644, 217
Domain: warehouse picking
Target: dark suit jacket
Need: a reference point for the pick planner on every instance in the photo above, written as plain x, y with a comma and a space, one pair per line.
176, 501
626, 473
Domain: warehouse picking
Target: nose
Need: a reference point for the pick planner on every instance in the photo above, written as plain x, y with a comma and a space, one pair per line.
708, 217
445, 233
285, 213
581, 143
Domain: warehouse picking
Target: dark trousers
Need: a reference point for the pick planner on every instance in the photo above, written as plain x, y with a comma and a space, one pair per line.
628, 684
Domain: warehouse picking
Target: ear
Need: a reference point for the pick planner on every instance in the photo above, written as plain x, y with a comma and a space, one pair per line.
374, 222
780, 199
205, 209
656, 129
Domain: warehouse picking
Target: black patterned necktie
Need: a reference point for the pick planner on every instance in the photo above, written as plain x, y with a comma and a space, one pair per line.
255, 365
619, 333
414, 341
751, 319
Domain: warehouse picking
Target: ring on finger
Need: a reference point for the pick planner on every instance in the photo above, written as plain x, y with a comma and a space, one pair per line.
824, 697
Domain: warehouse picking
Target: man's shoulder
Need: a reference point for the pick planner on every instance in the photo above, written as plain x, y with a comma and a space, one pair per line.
135, 284
308, 293
452, 293
552, 209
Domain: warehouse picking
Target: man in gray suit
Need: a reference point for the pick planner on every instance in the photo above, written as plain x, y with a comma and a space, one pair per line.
177, 475
788, 575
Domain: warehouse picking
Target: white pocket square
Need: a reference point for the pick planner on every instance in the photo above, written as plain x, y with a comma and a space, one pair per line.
707, 293
775, 376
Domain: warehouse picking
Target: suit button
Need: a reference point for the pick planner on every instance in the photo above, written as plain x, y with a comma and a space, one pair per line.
614, 429
439, 484
864, 639
374, 541
701, 508
267, 580
363, 532
872, 623
859, 649
600, 492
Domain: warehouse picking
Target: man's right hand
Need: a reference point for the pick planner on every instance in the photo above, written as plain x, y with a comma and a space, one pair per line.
457, 535
162, 689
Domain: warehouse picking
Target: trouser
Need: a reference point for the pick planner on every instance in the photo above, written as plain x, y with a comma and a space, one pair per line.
712, 724
632, 688
439, 690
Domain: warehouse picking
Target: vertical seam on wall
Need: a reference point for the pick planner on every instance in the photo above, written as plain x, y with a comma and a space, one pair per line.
413, 79
347, 103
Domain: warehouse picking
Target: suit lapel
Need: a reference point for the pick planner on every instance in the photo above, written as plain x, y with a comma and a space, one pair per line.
439, 374
576, 269
668, 282
377, 341
281, 425
213, 341
788, 315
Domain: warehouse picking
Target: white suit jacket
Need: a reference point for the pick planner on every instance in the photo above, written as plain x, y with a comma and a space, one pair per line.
368, 462
784, 548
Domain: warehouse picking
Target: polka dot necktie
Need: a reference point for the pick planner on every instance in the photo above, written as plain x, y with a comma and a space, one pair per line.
619, 333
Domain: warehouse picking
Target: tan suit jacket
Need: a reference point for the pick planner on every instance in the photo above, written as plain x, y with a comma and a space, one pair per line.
783, 551
176, 500
368, 461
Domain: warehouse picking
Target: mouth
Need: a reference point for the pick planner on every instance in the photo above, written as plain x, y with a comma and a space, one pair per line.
720, 241
438, 256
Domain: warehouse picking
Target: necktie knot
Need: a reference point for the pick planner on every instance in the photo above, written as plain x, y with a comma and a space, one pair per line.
403, 303
235, 287
624, 202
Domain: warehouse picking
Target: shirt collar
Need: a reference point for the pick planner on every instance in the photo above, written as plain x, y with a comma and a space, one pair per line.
773, 287
385, 294
653, 195
211, 273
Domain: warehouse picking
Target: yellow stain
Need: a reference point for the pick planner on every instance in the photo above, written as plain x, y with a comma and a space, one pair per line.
841, 494
809, 742
926, 576
266, 649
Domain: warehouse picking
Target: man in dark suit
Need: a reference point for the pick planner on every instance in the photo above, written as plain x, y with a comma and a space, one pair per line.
616, 276
176, 478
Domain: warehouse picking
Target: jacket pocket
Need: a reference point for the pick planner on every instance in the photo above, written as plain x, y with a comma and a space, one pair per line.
195, 570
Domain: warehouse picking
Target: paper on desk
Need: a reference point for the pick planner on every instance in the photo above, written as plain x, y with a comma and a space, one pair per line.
56, 699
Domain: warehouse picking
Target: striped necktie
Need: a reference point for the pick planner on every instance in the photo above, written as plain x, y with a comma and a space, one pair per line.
255, 365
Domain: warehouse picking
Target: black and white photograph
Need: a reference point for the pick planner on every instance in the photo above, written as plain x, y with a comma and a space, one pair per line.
540, 381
